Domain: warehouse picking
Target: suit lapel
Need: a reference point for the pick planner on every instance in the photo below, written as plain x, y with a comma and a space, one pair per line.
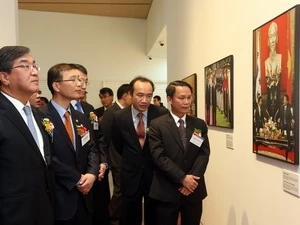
130, 125
44, 136
174, 131
12, 114
59, 125
189, 129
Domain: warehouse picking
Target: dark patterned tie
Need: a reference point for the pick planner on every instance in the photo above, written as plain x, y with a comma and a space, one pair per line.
140, 129
182, 132
68, 126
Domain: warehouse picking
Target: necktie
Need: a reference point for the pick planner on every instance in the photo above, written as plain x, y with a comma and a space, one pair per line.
140, 129
68, 126
182, 132
79, 107
30, 124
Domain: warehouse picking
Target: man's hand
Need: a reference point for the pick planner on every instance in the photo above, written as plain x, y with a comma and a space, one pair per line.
184, 191
102, 169
190, 182
86, 182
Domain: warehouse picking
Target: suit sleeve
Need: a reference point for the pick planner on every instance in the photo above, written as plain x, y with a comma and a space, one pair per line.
116, 134
161, 160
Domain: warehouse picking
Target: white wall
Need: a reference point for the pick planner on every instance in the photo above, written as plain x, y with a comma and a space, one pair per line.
112, 49
242, 188
8, 22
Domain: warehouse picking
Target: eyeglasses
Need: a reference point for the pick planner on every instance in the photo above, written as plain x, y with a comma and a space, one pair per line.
76, 79
28, 67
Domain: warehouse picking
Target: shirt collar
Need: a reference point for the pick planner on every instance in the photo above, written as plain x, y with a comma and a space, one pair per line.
176, 118
119, 104
135, 112
61, 110
19, 105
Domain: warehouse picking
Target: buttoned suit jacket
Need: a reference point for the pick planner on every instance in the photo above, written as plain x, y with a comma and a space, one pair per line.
99, 111
69, 164
27, 181
173, 162
137, 162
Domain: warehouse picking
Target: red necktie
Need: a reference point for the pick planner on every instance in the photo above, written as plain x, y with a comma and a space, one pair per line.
68, 126
140, 129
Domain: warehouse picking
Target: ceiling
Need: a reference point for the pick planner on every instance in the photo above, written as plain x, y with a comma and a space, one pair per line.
138, 9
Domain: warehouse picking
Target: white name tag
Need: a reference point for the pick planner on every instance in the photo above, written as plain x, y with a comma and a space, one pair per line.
96, 125
197, 140
85, 138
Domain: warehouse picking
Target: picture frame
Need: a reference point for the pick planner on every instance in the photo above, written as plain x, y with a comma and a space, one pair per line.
218, 79
276, 87
192, 80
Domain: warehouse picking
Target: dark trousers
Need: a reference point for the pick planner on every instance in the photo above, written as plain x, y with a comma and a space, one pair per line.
167, 213
81, 217
115, 206
101, 201
133, 210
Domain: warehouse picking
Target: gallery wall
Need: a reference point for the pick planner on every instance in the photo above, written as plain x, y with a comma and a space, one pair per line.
243, 188
112, 49
8, 22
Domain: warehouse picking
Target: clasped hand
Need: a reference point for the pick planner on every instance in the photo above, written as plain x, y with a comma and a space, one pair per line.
86, 182
189, 184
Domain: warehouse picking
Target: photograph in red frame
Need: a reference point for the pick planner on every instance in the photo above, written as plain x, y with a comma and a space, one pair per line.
275, 92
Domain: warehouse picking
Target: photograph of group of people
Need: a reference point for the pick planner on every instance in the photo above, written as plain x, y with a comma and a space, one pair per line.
274, 92
218, 93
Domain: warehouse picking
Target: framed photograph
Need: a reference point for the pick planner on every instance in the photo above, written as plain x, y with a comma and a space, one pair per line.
219, 93
192, 80
276, 87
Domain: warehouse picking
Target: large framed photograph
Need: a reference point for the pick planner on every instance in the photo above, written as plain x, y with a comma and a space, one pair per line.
276, 87
219, 93
192, 80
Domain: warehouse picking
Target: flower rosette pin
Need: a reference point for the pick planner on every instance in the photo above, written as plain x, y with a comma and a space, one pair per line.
48, 126
197, 132
93, 117
81, 130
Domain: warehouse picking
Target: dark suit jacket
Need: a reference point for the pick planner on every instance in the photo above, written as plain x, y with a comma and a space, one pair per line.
87, 108
173, 162
136, 162
114, 157
99, 111
26, 180
70, 164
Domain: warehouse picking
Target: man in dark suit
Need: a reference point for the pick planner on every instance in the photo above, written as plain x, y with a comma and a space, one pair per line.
180, 149
129, 136
101, 186
75, 156
260, 115
27, 181
124, 99
106, 96
285, 117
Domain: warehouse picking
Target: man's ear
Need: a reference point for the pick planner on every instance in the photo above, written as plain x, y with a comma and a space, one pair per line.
55, 86
4, 78
169, 99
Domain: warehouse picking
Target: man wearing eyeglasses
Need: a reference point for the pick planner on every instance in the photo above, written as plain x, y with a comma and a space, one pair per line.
27, 184
75, 156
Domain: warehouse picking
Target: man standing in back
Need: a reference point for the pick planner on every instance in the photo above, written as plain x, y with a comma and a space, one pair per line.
129, 136
180, 149
115, 206
27, 182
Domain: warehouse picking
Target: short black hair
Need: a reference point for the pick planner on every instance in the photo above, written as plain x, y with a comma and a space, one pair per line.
105, 90
80, 68
55, 73
170, 90
44, 99
157, 97
10, 53
123, 89
142, 79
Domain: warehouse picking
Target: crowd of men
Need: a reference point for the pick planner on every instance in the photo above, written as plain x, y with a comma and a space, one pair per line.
54, 159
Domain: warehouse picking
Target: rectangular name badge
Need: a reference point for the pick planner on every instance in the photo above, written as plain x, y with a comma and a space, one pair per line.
197, 140
85, 138
96, 125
